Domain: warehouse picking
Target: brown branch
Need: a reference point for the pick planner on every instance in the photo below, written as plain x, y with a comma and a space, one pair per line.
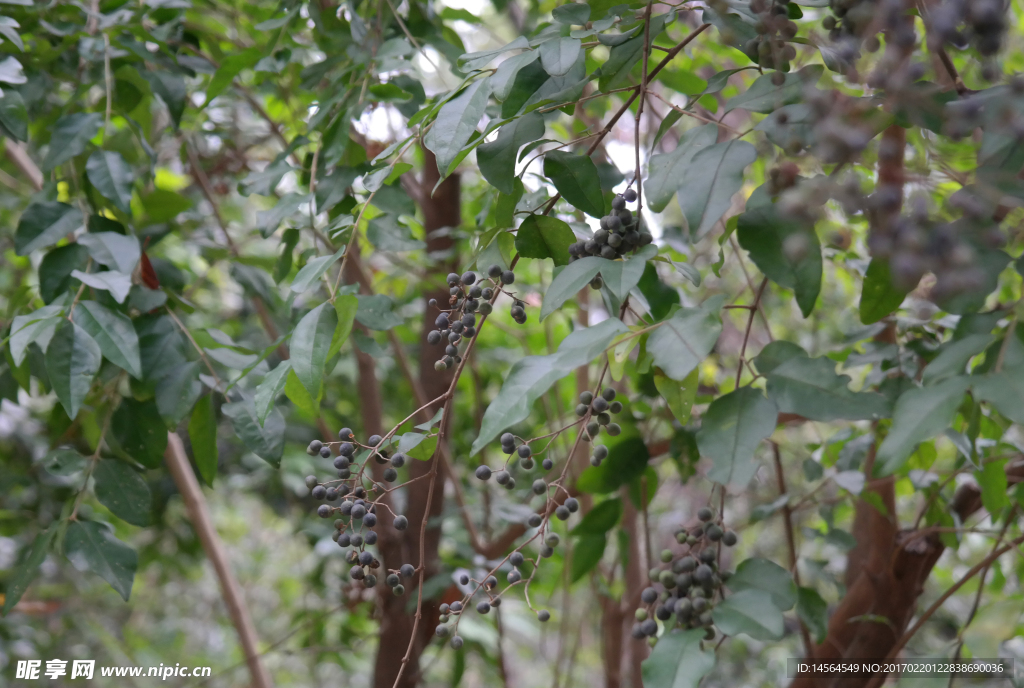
19, 156
195, 505
787, 519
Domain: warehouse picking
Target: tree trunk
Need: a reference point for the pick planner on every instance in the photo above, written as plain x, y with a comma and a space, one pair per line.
440, 211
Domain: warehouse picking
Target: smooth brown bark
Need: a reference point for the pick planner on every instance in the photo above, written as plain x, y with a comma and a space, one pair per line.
886, 573
441, 211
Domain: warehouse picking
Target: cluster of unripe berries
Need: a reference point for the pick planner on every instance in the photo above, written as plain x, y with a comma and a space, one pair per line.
981, 23
690, 584
357, 511
620, 232
526, 461
493, 601
467, 298
774, 28
601, 409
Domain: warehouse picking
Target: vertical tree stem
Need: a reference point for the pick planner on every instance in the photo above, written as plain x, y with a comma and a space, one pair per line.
195, 506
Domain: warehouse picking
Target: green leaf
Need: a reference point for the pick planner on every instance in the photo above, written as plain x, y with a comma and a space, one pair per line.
417, 445
678, 395
504, 78
229, 68
627, 460
116, 251
44, 224
681, 342
920, 414
586, 555
953, 356
762, 574
813, 611
177, 392
571, 14
345, 307
269, 220
558, 55
311, 340
614, 73
56, 267
72, 361
456, 122
708, 183
64, 461
162, 205
764, 96
122, 490
269, 389
497, 159
172, 90
809, 387
140, 431
114, 334
117, 283
665, 169
730, 431
619, 276
376, 312
69, 137
788, 253
600, 519
750, 612
479, 60
527, 83
678, 661
386, 234
878, 296
541, 237
313, 271
202, 433
532, 376
91, 546
112, 177
36, 327
298, 395
575, 177
13, 115
266, 441
161, 346
993, 482
25, 573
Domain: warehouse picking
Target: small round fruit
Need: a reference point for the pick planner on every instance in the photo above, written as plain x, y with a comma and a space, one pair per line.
649, 596
729, 538
705, 514
508, 277
456, 643
441, 631
483, 472
543, 616
629, 195
407, 570
516, 559
483, 608
401, 523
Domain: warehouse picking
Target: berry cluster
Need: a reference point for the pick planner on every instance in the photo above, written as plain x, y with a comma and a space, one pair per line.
356, 504
691, 583
467, 298
774, 28
981, 23
600, 410
489, 585
620, 232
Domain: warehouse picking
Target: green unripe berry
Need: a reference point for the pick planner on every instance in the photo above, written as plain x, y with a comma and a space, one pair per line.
641, 614
398, 590
667, 579
613, 429
666, 556
705, 513
586, 398
652, 641
552, 539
